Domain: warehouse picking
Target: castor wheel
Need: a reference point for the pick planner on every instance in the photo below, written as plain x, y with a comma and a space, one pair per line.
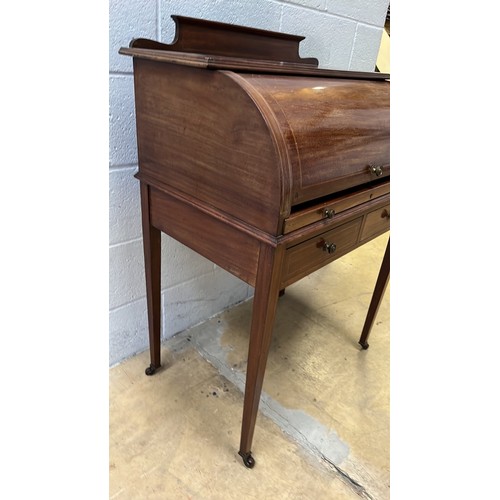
364, 345
248, 460
151, 369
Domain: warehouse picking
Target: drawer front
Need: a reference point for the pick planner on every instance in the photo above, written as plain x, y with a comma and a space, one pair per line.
376, 222
329, 209
312, 254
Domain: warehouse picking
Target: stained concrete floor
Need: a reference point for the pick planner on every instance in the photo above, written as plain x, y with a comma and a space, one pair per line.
323, 426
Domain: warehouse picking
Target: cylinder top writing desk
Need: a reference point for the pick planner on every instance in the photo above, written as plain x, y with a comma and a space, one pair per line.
261, 162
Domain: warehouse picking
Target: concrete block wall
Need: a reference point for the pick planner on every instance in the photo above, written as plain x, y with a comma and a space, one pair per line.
342, 34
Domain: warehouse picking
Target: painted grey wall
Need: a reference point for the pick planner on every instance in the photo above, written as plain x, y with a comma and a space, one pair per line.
342, 34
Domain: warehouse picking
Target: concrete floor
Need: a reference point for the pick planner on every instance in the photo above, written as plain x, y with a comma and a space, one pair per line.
323, 427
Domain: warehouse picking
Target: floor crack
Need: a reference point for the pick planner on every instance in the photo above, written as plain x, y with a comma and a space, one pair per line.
360, 489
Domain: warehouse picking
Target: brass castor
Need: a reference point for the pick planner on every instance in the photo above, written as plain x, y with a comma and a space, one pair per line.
151, 369
248, 460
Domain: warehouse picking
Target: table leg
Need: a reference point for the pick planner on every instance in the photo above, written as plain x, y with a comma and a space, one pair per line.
265, 301
152, 262
378, 293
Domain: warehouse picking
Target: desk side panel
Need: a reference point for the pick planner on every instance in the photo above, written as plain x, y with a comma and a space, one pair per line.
199, 132
229, 248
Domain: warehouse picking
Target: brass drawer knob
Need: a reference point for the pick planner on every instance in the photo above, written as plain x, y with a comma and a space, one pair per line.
328, 213
376, 169
329, 247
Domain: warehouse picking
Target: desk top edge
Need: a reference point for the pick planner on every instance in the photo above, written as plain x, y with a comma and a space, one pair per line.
247, 65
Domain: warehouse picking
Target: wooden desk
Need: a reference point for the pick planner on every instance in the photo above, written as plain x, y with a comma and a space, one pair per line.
261, 162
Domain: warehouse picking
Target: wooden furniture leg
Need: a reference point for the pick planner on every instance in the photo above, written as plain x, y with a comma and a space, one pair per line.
265, 301
152, 262
378, 293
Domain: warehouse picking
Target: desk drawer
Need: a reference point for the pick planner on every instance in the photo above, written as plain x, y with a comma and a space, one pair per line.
376, 222
332, 207
312, 254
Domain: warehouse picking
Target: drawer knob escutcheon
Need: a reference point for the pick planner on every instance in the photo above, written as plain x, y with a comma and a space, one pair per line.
328, 213
376, 169
329, 247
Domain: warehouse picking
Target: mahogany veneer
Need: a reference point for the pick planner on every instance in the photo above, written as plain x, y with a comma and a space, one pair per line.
261, 162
